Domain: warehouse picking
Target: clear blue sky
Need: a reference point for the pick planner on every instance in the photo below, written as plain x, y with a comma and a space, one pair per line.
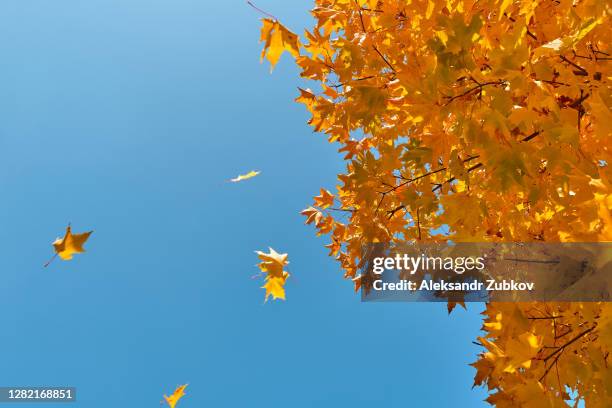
126, 117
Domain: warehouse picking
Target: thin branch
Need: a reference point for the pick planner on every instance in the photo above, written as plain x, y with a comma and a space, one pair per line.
554, 363
384, 59
372, 10
531, 136
356, 79
50, 260
579, 101
478, 88
532, 35
411, 180
261, 11
552, 82
557, 337
579, 70
393, 211
342, 209
360, 15
450, 180
561, 348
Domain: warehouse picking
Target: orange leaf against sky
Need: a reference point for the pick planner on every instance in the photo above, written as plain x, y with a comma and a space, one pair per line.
173, 399
69, 245
272, 264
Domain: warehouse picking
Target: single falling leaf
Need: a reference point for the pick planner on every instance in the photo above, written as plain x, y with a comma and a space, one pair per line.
272, 264
173, 399
69, 245
247, 176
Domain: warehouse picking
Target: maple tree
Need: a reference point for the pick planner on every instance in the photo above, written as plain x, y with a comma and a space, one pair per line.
490, 118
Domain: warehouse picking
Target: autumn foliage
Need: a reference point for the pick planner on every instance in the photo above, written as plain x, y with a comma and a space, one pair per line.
273, 265
489, 118
174, 398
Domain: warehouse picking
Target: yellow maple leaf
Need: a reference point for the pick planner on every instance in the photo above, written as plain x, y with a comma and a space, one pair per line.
69, 245
277, 39
173, 399
273, 264
247, 176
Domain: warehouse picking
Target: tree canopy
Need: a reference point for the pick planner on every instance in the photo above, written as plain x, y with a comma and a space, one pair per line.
488, 118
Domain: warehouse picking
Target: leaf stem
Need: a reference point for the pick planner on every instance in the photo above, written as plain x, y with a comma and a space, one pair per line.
50, 260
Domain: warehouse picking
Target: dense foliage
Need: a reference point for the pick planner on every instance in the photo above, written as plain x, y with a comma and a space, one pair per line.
491, 118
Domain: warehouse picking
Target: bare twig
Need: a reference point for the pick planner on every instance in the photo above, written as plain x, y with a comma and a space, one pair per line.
531, 136
360, 16
450, 180
262, 11
563, 347
579, 70
384, 59
478, 88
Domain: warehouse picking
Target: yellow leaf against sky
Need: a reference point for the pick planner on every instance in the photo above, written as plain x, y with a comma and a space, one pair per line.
173, 399
69, 245
247, 176
273, 264
275, 286
277, 39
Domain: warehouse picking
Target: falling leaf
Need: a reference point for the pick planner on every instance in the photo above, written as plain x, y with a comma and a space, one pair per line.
247, 176
272, 264
69, 245
173, 399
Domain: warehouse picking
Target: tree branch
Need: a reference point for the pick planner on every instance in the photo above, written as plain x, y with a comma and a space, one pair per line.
477, 88
579, 70
450, 180
262, 11
561, 348
531, 136
384, 59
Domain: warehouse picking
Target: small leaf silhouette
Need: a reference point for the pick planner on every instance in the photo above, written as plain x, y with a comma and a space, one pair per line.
247, 176
69, 245
272, 264
173, 399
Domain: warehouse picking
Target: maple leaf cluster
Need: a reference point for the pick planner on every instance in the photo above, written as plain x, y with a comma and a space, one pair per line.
487, 118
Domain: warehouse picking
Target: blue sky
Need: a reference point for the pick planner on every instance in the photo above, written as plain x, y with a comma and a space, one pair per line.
127, 117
